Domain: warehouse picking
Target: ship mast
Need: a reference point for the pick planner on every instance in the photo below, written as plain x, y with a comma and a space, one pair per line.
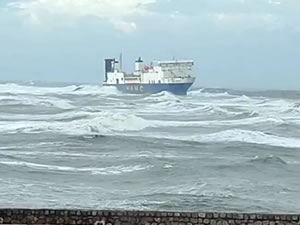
121, 58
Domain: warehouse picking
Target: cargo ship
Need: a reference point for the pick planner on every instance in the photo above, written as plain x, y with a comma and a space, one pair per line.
174, 76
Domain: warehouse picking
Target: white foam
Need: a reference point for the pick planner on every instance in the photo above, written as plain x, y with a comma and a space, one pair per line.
240, 104
213, 109
121, 169
72, 115
161, 97
101, 123
168, 166
70, 90
202, 93
180, 189
45, 101
180, 107
176, 104
113, 170
234, 135
247, 136
95, 90
33, 90
216, 123
61, 154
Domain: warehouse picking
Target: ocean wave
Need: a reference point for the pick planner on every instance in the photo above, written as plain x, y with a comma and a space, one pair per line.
45, 101
204, 93
244, 115
168, 166
248, 136
270, 159
279, 105
162, 96
217, 123
253, 162
10, 147
192, 107
70, 115
214, 109
12, 88
246, 99
235, 135
291, 108
199, 190
112, 170
29, 153
102, 123
95, 90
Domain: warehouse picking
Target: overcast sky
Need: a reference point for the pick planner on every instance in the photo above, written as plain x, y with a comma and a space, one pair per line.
235, 43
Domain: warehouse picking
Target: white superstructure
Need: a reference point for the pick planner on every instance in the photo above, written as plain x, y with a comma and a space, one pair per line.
158, 72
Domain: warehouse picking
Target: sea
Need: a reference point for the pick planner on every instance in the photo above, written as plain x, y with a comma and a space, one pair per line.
91, 147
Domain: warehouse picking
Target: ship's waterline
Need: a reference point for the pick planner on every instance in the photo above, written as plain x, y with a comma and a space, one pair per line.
177, 89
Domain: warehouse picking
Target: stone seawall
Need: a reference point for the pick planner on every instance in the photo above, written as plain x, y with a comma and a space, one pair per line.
95, 217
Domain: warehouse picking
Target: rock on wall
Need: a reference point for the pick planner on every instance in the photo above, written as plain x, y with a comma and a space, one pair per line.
94, 217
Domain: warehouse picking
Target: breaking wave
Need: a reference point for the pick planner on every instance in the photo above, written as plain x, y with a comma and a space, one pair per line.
220, 123
95, 90
238, 136
271, 159
105, 123
204, 93
162, 96
101, 123
17, 89
248, 136
65, 116
45, 101
112, 170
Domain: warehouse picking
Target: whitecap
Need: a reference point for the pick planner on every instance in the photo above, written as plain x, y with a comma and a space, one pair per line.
248, 136
112, 170
102, 123
11, 88
203, 93
71, 115
234, 135
270, 159
216, 123
168, 166
31, 100
95, 90
33, 90
162, 96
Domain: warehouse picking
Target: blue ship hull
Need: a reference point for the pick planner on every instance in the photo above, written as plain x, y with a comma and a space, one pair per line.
177, 89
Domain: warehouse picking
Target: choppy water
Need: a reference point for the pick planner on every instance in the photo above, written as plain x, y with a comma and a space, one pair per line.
93, 147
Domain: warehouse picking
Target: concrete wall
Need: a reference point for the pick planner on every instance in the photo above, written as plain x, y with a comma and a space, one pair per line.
93, 217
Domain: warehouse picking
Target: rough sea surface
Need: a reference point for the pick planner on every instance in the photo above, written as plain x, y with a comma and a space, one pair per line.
93, 147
